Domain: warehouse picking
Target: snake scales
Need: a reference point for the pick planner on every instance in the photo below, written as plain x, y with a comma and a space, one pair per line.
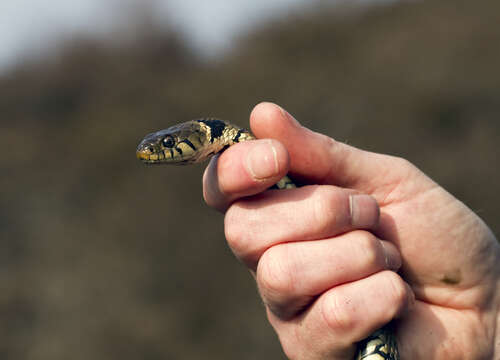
196, 140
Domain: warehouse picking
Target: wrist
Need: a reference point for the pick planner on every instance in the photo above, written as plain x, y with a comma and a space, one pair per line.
496, 337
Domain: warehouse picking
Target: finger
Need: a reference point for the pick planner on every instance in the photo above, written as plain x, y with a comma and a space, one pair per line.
318, 158
343, 316
291, 275
244, 169
307, 213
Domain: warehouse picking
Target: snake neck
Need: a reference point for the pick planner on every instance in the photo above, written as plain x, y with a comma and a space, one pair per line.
222, 133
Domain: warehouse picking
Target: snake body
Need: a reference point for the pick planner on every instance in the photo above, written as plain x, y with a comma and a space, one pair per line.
195, 141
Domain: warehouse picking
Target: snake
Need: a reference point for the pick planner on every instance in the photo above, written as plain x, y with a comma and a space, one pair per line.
197, 140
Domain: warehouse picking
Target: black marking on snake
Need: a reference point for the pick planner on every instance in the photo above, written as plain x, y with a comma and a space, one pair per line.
179, 150
225, 147
377, 350
237, 137
171, 153
189, 143
216, 128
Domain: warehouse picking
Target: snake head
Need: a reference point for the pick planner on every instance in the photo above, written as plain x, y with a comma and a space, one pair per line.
180, 144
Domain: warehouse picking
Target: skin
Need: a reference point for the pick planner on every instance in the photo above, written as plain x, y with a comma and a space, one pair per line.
370, 240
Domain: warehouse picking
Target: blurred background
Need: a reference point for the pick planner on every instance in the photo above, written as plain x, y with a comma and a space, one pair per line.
102, 257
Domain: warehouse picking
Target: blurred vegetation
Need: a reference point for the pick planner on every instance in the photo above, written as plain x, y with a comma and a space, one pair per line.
105, 258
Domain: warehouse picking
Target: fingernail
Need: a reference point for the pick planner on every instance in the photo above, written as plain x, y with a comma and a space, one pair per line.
411, 298
412, 301
392, 259
364, 211
262, 161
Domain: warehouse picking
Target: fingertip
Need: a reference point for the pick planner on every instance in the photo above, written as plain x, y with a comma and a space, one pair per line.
359, 308
265, 110
399, 295
269, 118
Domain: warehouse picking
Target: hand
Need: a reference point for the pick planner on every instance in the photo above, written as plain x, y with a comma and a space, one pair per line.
325, 255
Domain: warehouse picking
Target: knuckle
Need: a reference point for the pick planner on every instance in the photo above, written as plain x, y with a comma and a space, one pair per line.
397, 291
274, 277
235, 232
337, 313
402, 163
325, 208
369, 247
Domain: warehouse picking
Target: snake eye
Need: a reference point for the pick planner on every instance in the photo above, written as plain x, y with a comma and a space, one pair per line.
168, 142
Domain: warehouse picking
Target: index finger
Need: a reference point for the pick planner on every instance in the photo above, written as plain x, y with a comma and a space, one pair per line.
244, 169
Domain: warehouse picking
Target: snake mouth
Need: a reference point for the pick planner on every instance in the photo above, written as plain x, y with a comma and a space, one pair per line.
146, 156
149, 156
145, 159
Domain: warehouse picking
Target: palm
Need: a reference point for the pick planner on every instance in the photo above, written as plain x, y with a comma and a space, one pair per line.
449, 267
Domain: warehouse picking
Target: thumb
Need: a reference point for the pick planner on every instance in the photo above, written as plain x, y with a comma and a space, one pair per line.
317, 158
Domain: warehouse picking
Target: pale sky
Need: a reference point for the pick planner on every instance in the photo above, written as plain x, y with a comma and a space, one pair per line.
27, 25
37, 24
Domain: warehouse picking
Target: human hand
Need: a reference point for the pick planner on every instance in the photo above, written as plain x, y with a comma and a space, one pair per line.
374, 214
